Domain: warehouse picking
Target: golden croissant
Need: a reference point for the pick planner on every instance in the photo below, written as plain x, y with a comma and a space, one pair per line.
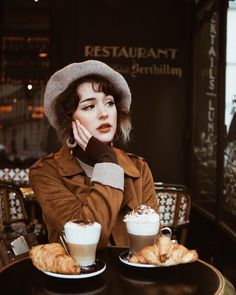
164, 243
53, 258
164, 253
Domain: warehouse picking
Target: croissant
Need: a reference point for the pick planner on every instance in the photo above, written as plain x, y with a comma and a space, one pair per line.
149, 254
53, 258
180, 254
154, 254
164, 247
164, 253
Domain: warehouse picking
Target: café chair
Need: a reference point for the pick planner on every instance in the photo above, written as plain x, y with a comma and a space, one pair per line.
12, 203
17, 233
174, 205
18, 176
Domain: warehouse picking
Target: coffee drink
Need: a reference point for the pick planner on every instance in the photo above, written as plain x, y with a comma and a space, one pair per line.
138, 242
83, 254
142, 225
82, 238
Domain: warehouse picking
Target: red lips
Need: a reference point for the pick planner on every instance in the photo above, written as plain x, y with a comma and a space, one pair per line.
104, 127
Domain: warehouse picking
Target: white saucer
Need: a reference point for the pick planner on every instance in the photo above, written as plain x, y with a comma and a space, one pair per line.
95, 270
124, 259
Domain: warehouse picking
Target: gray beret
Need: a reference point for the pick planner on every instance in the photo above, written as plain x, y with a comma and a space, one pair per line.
60, 80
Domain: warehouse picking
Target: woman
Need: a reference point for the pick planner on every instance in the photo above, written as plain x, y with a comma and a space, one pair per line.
88, 105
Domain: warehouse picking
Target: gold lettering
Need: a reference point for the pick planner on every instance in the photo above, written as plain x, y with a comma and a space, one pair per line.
163, 52
162, 69
130, 52
212, 84
210, 116
173, 52
134, 70
211, 75
97, 51
105, 51
114, 50
212, 36
88, 51
211, 127
141, 52
213, 26
123, 52
212, 51
151, 53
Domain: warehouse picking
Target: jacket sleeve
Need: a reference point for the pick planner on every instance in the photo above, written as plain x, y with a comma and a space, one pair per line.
60, 202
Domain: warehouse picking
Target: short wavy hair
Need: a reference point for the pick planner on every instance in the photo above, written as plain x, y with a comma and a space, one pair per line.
67, 102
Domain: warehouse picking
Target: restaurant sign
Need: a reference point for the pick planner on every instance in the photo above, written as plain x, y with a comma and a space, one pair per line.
161, 61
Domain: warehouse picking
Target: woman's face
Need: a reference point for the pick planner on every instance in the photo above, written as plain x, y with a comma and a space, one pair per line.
96, 111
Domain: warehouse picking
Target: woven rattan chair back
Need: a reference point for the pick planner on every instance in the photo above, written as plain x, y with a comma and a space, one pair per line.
14, 223
174, 205
12, 208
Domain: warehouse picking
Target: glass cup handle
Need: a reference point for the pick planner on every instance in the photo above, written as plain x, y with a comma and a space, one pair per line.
168, 229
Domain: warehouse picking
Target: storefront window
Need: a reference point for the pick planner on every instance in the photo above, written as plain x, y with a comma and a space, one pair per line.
229, 195
24, 70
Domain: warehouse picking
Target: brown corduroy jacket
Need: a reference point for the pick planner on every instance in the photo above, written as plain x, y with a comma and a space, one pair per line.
64, 192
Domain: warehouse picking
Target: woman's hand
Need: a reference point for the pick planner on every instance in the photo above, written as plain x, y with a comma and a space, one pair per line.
96, 150
81, 134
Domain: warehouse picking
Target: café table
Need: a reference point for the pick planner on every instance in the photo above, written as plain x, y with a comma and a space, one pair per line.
118, 278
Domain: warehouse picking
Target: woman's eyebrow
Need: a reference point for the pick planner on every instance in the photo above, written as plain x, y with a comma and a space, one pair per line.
87, 99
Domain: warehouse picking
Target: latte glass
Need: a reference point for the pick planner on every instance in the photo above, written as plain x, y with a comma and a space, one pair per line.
141, 234
143, 225
82, 239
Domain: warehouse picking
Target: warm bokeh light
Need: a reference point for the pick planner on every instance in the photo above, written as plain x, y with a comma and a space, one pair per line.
38, 112
43, 54
6, 109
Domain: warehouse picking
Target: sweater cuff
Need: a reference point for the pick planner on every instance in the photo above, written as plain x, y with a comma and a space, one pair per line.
108, 174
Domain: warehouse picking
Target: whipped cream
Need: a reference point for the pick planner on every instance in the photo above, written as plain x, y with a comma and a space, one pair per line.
143, 220
142, 214
82, 232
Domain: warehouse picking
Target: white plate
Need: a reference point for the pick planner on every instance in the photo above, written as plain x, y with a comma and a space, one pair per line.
95, 270
123, 258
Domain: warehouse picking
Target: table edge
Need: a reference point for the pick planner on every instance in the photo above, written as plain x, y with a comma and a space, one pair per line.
12, 263
221, 288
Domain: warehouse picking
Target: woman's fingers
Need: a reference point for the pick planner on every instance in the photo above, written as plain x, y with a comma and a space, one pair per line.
81, 134
77, 136
84, 132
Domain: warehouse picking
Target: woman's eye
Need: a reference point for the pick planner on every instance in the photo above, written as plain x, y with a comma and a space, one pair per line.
110, 103
89, 107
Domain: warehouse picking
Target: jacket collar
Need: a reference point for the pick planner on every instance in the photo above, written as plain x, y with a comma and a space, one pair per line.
68, 165
126, 163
